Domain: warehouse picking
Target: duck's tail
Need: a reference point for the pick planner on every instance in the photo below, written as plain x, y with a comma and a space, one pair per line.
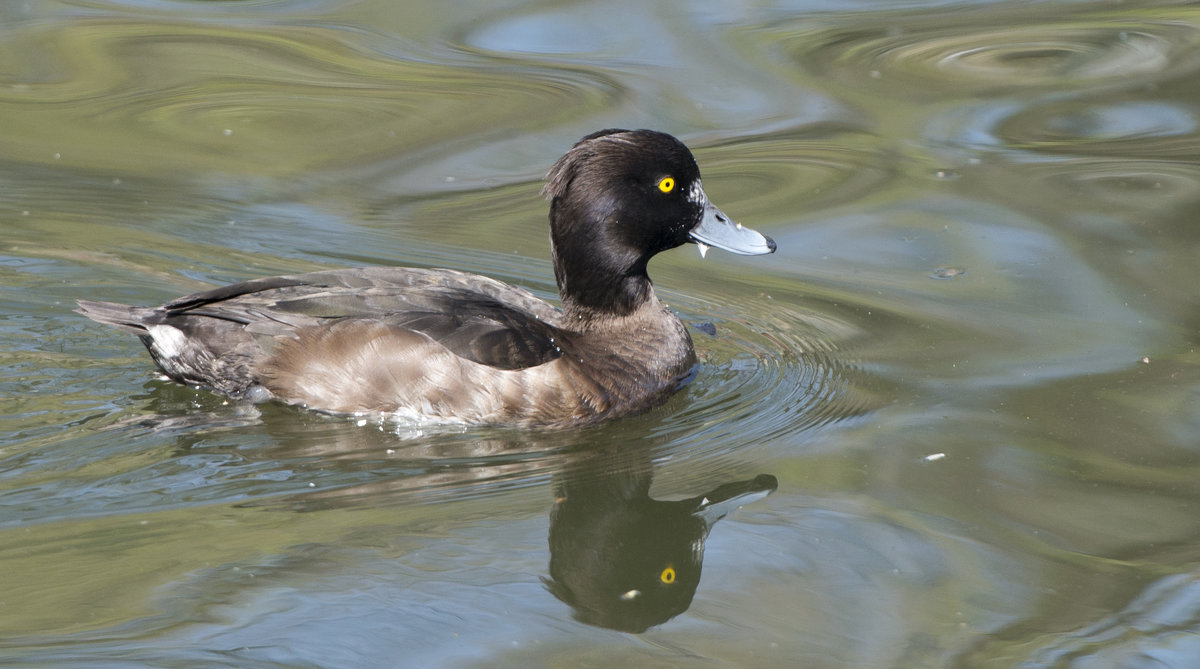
121, 316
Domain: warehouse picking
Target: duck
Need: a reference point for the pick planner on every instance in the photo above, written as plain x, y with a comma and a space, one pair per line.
446, 346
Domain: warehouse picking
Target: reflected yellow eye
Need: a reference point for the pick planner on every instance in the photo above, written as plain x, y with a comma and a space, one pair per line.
667, 575
666, 184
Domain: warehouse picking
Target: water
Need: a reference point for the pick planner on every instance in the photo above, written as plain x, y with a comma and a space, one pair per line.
970, 368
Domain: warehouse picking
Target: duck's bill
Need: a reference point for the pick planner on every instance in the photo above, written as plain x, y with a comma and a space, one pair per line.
719, 231
715, 504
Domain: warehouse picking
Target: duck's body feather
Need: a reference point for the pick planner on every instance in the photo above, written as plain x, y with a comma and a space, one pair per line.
421, 344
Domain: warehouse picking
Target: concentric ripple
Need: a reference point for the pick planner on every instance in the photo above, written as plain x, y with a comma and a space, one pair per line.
1145, 187
770, 372
1044, 83
818, 167
275, 98
1149, 129
960, 59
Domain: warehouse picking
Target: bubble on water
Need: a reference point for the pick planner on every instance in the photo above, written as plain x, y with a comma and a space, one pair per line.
948, 272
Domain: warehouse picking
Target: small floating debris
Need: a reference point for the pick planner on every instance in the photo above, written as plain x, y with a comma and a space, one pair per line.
934, 457
948, 272
1145, 360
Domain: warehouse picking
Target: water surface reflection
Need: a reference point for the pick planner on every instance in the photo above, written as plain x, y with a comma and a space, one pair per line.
621, 559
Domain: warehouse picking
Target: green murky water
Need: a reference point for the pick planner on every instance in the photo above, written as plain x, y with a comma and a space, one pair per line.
970, 367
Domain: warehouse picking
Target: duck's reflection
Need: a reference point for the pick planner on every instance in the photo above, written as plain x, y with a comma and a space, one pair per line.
623, 560
619, 558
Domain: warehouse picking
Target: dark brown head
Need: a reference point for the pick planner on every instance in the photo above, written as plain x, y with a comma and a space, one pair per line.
617, 198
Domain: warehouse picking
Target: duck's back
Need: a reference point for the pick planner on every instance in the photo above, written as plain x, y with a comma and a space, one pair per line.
309, 338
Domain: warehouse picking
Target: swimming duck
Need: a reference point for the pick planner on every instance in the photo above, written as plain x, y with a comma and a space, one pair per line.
439, 345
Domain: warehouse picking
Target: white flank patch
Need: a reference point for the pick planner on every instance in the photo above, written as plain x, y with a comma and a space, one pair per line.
169, 341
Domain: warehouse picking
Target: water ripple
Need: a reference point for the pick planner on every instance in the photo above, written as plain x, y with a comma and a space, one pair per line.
1112, 185
966, 60
772, 372
1040, 85
273, 98
816, 167
1147, 129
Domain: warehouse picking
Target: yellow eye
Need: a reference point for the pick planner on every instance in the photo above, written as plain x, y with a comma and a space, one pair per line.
666, 184
667, 576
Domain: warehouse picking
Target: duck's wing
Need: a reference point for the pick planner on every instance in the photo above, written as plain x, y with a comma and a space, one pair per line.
475, 317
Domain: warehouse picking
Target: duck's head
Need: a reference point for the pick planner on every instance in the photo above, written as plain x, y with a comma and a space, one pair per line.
617, 198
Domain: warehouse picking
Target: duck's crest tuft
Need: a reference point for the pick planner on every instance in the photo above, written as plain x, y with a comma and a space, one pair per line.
564, 170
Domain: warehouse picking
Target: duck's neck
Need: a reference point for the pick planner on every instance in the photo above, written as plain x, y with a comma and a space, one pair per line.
599, 275
592, 289
627, 296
